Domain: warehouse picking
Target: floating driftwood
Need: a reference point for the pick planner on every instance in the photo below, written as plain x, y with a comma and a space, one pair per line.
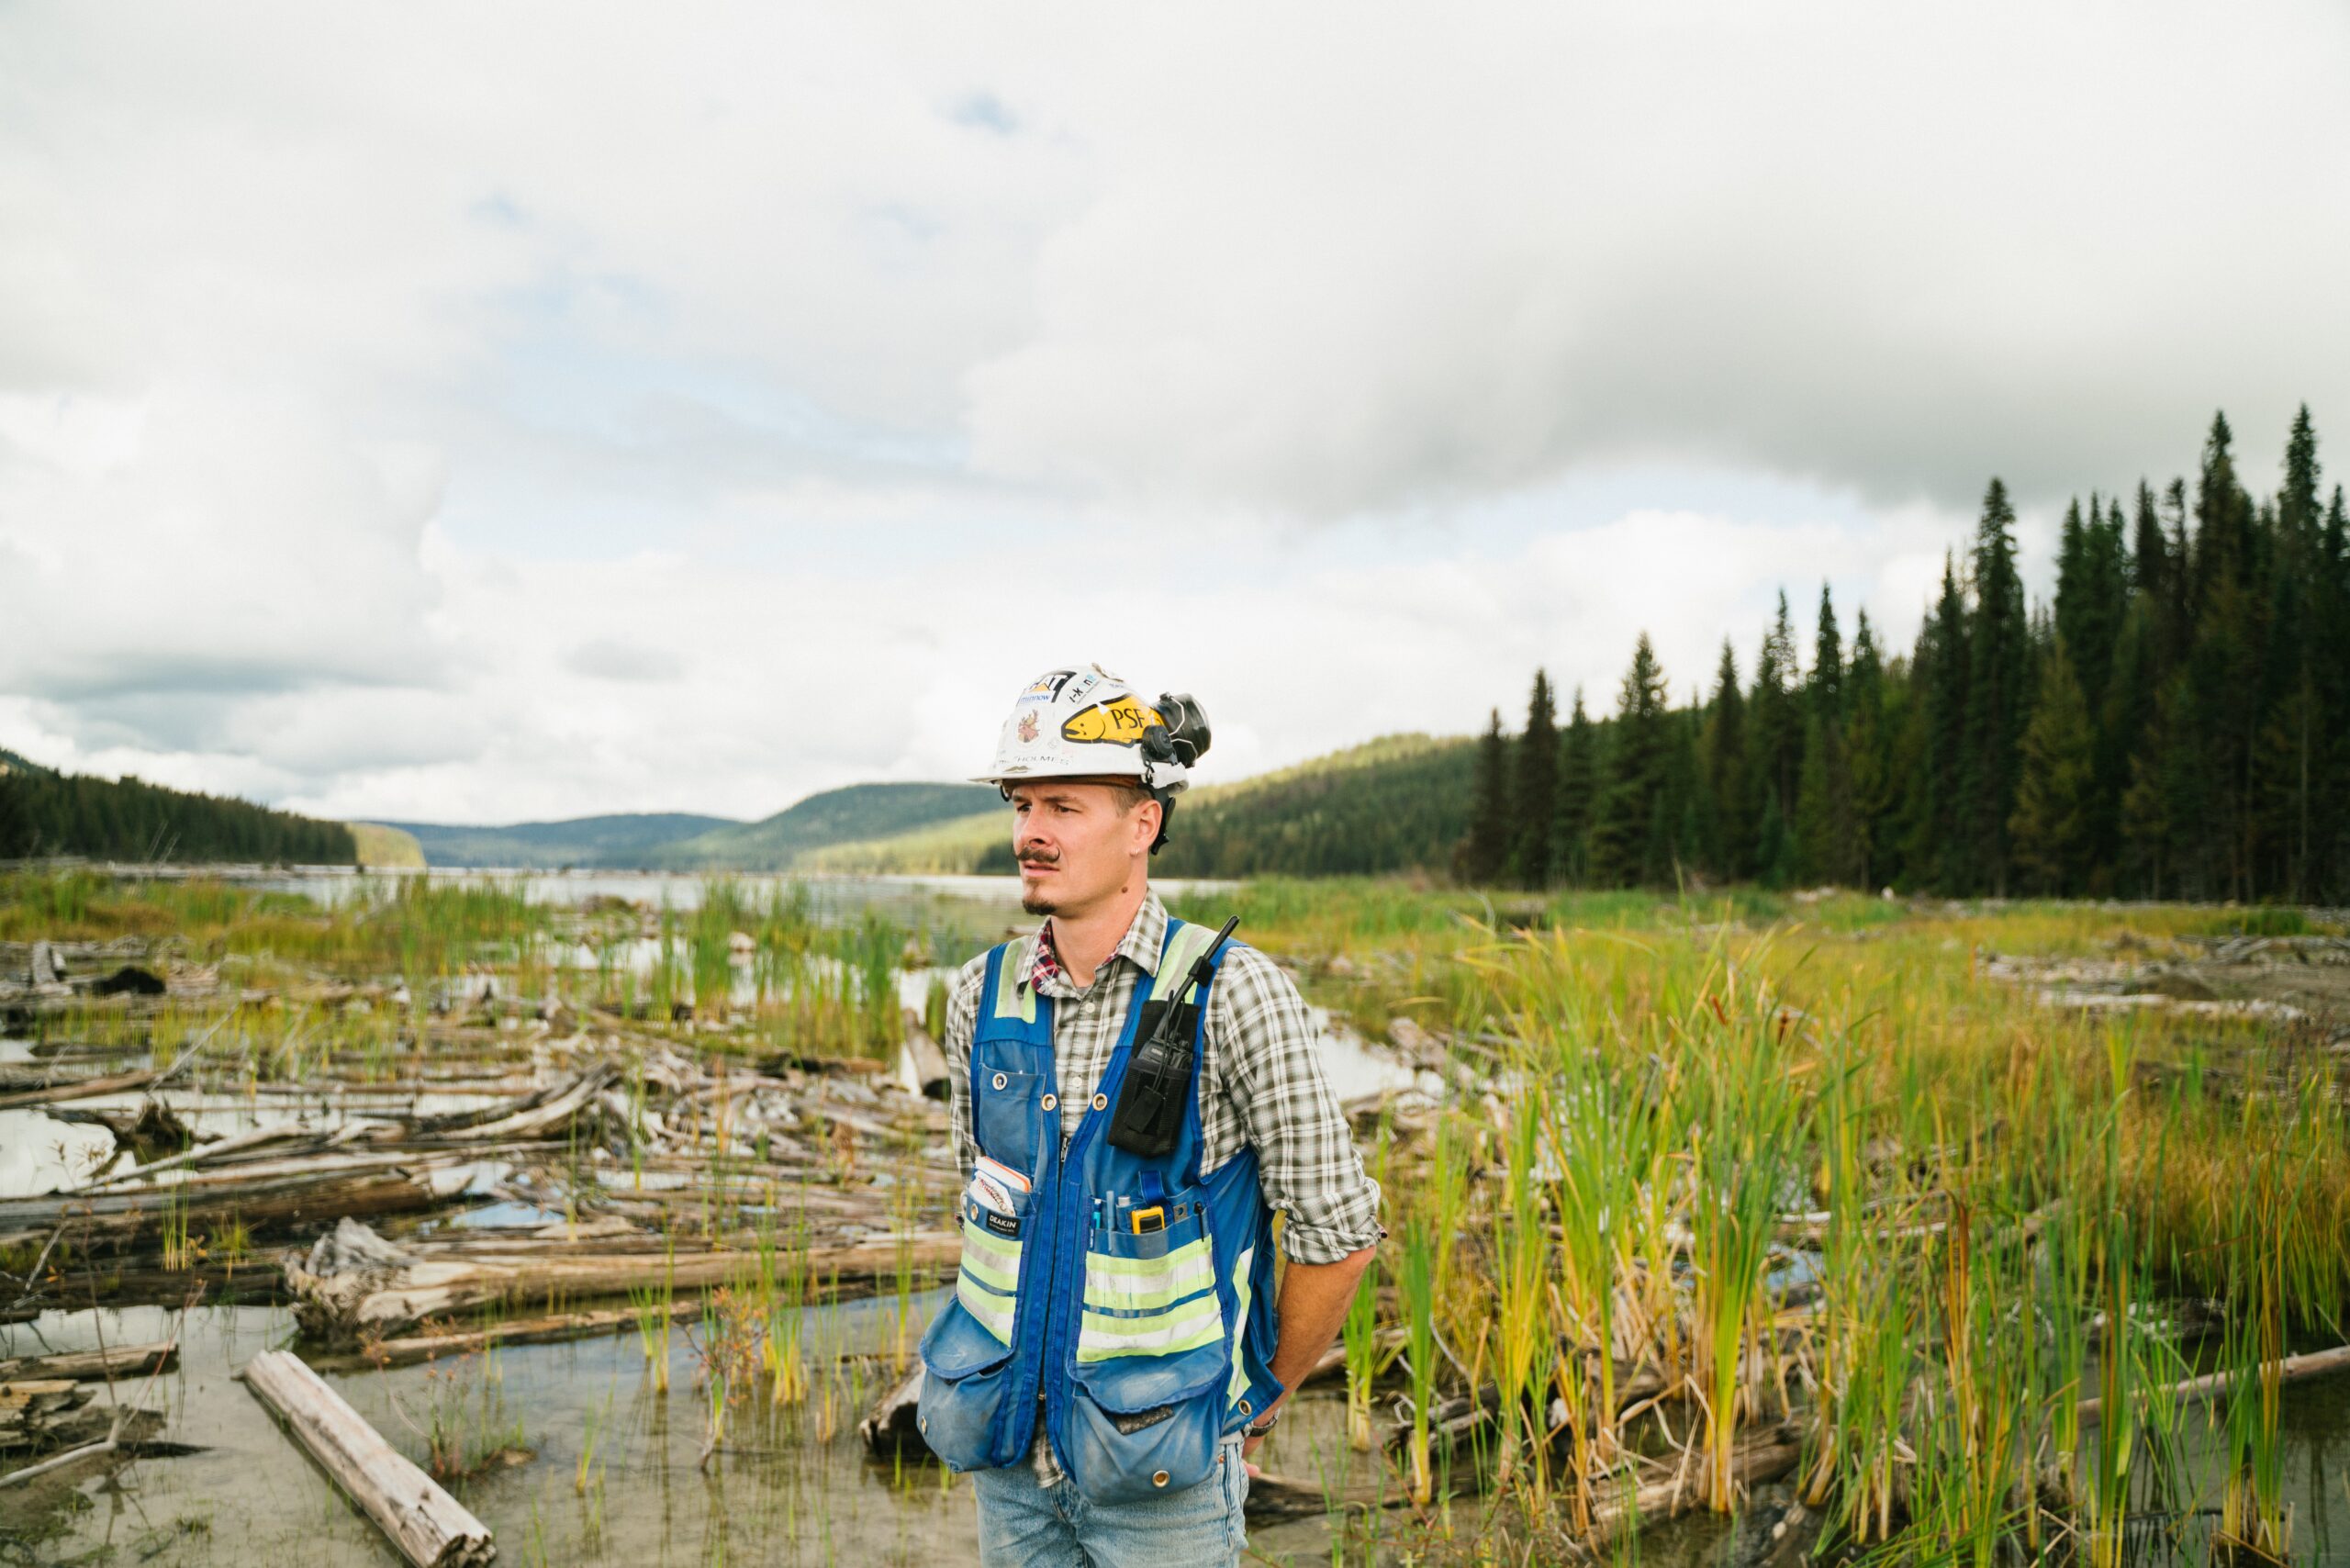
552, 1329
1761, 1457
921, 1066
893, 1426
2291, 1369
354, 1284
269, 1195
36, 1412
77, 1089
87, 1366
40, 1414
431, 1528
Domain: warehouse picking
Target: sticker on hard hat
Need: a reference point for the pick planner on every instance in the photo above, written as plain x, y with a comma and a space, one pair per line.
1047, 686
1112, 724
1027, 728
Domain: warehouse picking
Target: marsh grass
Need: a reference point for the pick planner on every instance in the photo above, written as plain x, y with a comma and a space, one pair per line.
1994, 1202
1771, 1157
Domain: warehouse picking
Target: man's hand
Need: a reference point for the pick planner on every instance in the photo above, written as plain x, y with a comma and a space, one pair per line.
1313, 1302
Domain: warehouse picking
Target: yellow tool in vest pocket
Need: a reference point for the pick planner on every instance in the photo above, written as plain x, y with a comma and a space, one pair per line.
1145, 1221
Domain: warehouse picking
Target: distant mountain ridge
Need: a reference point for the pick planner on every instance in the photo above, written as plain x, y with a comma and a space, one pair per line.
622, 840
685, 841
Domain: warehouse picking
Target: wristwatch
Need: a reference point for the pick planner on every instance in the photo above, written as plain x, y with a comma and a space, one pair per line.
1273, 1418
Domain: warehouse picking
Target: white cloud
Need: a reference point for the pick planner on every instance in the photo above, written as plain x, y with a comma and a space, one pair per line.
464, 412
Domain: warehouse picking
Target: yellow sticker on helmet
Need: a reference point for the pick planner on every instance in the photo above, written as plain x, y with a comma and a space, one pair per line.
1112, 723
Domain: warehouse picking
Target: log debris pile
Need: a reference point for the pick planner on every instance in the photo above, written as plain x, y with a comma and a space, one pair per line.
583, 1173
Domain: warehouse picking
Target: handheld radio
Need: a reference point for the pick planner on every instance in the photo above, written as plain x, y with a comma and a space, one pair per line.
1158, 1076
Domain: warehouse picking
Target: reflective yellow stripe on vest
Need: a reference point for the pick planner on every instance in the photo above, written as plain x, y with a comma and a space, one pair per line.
1183, 950
991, 1264
1243, 1292
1013, 996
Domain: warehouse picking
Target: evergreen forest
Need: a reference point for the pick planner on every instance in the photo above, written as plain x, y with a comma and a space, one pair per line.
2176, 724
45, 812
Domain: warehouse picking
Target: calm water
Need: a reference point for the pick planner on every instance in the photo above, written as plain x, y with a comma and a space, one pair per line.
780, 1492
830, 895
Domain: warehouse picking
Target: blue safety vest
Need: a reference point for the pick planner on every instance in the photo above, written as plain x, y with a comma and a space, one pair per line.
1146, 1340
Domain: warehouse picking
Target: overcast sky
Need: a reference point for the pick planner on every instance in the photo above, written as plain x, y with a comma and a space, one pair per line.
480, 412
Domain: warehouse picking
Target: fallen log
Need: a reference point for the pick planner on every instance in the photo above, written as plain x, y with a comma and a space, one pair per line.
206, 1154
554, 1329
431, 1528
40, 1413
2291, 1369
89, 1366
257, 1202
893, 1428
539, 1115
125, 1446
1762, 1457
921, 1066
81, 1089
398, 1288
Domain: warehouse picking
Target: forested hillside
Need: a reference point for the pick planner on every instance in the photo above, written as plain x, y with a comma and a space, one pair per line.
46, 813
855, 812
1396, 803
2175, 724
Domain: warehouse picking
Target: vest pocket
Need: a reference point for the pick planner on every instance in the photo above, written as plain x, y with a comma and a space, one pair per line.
988, 1282
967, 1352
965, 1374
1152, 1294
1145, 1426
1151, 1362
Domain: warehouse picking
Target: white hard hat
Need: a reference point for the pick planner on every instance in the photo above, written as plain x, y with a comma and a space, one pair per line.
1090, 724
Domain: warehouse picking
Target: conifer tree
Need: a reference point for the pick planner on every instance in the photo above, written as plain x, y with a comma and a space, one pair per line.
1868, 743
1775, 742
2149, 566
1578, 793
2292, 739
16, 839
2213, 780
1728, 773
1996, 695
1486, 851
1535, 803
1621, 834
1827, 661
2330, 653
1940, 671
2049, 827
1825, 830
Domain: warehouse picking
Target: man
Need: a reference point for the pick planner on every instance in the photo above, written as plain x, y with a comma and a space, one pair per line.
1115, 1347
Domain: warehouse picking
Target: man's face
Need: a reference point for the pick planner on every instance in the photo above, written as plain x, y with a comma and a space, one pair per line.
1078, 848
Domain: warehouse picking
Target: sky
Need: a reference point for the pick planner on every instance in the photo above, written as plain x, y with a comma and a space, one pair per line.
478, 413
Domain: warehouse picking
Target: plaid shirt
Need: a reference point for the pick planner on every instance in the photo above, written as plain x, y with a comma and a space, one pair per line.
1260, 1078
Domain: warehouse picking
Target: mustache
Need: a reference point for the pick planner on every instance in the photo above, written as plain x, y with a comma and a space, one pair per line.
1038, 854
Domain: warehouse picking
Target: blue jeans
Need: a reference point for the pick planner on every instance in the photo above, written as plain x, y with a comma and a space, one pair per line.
1024, 1524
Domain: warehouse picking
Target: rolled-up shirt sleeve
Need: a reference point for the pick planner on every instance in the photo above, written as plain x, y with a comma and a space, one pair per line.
962, 1013
1270, 1059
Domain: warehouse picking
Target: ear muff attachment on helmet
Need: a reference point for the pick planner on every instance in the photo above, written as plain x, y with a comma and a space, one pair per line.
1177, 742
